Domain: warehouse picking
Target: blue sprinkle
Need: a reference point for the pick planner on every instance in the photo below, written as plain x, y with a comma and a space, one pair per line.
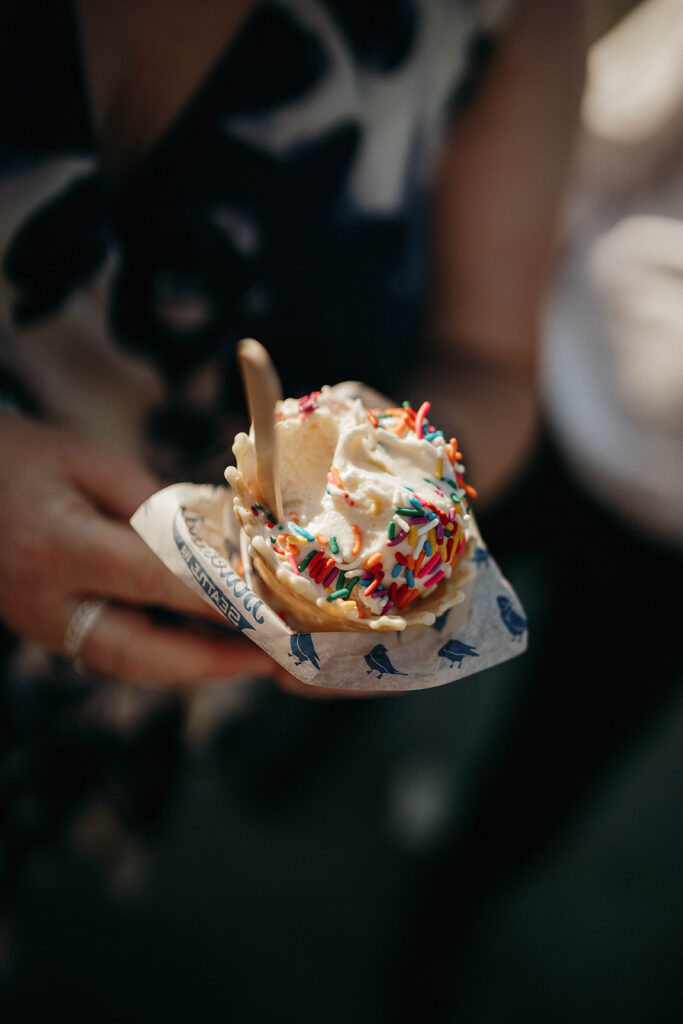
435, 433
428, 549
411, 489
416, 503
431, 515
396, 571
410, 578
302, 533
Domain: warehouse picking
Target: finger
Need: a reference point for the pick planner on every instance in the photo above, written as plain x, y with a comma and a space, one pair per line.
114, 482
124, 644
115, 562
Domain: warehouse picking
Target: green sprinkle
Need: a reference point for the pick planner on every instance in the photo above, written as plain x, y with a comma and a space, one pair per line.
382, 445
455, 497
391, 530
341, 579
350, 584
334, 547
309, 556
408, 512
259, 507
383, 415
338, 593
406, 404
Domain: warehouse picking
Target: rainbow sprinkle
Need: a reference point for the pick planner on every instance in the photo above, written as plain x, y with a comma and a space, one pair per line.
423, 540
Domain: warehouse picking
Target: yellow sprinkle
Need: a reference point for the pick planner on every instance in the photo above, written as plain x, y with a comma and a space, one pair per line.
442, 550
295, 539
432, 539
375, 507
412, 536
377, 464
439, 468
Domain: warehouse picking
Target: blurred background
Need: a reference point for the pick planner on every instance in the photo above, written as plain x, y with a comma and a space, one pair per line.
506, 848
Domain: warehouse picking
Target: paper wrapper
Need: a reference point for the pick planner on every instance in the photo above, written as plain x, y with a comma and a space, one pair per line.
193, 530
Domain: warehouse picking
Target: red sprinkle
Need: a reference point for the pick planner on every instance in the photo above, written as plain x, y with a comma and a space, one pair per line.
411, 597
420, 418
443, 516
309, 402
405, 596
314, 563
292, 562
375, 583
431, 565
324, 569
433, 580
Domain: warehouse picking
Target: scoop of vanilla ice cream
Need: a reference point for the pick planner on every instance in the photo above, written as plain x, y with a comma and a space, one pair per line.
375, 505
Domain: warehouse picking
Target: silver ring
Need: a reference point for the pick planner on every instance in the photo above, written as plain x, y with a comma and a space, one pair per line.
78, 627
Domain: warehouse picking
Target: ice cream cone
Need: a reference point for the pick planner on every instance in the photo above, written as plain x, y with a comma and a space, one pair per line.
321, 616
375, 530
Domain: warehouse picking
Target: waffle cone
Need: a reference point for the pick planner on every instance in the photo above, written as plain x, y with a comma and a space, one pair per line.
328, 616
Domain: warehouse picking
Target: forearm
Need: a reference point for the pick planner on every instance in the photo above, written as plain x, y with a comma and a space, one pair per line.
497, 198
499, 187
493, 413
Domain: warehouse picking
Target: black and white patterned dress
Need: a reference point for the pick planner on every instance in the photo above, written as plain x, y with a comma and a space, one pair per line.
288, 201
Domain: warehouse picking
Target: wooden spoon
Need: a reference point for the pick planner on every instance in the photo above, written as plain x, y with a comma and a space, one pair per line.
263, 388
